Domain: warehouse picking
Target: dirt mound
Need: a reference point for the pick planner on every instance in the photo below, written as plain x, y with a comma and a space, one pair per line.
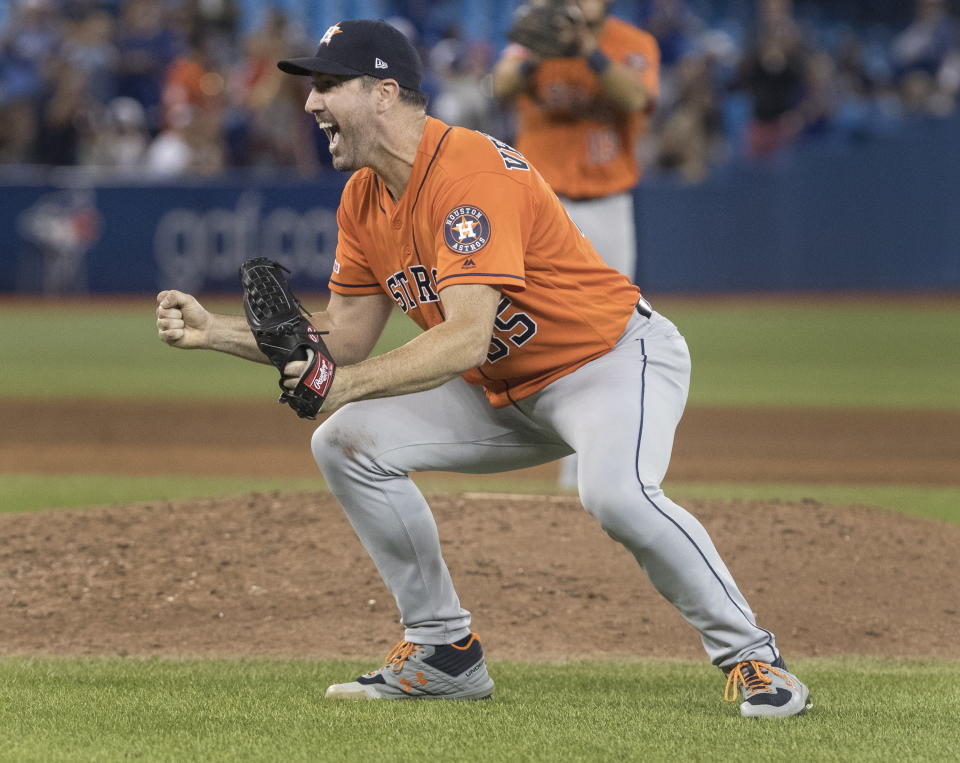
284, 575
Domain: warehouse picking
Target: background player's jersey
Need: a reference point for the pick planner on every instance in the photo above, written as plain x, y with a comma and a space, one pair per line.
585, 147
475, 212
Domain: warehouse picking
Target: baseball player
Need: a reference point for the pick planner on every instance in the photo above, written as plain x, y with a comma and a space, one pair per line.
581, 112
532, 348
582, 105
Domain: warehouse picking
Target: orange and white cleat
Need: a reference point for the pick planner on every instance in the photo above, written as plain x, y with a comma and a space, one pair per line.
769, 690
424, 671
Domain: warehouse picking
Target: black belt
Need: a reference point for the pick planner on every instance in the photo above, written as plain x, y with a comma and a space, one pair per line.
643, 307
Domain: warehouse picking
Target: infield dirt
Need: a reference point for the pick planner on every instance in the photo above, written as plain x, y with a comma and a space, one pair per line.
283, 575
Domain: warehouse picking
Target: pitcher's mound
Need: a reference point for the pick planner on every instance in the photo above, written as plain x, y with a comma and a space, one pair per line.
284, 575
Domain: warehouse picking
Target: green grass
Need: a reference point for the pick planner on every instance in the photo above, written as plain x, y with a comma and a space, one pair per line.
929, 502
29, 492
118, 709
861, 355
115, 352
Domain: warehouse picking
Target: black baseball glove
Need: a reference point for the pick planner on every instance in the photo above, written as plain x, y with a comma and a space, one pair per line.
546, 27
283, 333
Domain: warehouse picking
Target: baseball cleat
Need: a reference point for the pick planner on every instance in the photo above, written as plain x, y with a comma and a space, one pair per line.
769, 691
423, 671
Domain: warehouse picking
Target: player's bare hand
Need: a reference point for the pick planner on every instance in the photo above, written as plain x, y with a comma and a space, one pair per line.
181, 320
295, 369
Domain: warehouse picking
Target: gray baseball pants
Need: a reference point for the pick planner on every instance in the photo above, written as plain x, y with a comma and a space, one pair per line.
618, 413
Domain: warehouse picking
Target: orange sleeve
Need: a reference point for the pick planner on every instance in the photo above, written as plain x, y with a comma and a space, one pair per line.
351, 272
483, 224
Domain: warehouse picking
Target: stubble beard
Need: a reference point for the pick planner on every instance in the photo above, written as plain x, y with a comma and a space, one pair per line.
351, 156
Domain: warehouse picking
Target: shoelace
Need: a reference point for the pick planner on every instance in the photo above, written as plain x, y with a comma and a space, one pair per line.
750, 675
398, 656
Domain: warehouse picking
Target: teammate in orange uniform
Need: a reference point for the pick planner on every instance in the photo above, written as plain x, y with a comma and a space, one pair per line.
580, 118
532, 347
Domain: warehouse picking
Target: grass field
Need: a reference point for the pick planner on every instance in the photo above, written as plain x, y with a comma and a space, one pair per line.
857, 355
122, 709
862, 354
30, 492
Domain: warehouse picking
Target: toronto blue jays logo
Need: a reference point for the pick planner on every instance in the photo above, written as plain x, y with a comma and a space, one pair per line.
466, 229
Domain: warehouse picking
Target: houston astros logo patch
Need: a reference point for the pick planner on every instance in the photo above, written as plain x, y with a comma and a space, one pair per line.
466, 229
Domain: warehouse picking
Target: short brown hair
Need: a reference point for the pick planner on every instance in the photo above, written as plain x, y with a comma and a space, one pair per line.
407, 96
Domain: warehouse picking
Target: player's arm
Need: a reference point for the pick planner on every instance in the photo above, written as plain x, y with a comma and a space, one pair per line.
183, 322
624, 88
354, 323
622, 85
432, 358
511, 74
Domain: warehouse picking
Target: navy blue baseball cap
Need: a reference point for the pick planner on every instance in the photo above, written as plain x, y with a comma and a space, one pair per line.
362, 47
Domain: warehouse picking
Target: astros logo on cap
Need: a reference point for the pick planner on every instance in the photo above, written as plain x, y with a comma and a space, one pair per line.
466, 229
328, 35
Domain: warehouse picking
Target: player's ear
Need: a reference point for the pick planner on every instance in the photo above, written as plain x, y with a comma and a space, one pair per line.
389, 92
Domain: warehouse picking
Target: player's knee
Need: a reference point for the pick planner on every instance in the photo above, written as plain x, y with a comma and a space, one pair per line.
622, 509
338, 445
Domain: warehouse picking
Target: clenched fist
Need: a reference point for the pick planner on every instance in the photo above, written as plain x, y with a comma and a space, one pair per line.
182, 321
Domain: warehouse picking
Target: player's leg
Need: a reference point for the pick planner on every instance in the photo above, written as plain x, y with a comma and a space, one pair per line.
619, 412
610, 225
366, 451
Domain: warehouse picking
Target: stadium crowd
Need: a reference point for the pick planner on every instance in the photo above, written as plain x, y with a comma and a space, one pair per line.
177, 87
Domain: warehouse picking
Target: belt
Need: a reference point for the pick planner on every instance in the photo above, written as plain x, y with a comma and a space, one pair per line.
643, 307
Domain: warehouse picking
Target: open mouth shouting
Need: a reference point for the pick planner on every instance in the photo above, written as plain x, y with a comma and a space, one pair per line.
332, 129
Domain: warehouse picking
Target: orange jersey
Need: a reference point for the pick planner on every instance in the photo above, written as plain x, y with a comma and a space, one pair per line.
584, 146
475, 211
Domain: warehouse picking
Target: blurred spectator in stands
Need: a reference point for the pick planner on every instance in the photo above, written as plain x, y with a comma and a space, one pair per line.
89, 48
170, 154
462, 68
820, 96
689, 130
189, 144
18, 128
268, 126
119, 137
949, 77
65, 115
675, 27
35, 31
63, 61
146, 48
773, 73
190, 79
925, 44
216, 21
860, 107
924, 55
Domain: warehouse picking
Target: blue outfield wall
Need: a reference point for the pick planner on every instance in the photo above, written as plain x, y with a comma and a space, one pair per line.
881, 215
884, 214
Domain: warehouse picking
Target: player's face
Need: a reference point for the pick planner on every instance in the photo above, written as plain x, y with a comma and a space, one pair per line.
340, 105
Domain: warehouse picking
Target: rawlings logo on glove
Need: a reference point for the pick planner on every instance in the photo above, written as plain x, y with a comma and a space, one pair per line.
283, 333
